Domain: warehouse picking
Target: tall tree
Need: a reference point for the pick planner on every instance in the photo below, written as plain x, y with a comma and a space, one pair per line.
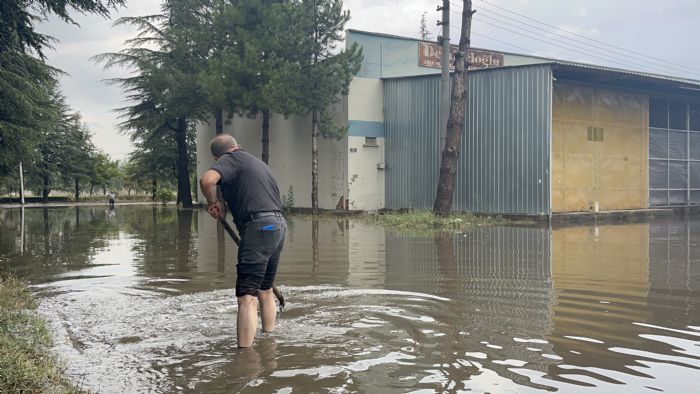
320, 73
64, 150
25, 80
455, 123
245, 45
167, 96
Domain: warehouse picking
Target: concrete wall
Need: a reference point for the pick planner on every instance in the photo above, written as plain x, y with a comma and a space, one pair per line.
612, 171
365, 119
290, 154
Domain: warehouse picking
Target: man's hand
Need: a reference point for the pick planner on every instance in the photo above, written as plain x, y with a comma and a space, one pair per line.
216, 210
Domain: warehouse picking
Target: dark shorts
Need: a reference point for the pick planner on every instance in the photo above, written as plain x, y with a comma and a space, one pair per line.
262, 241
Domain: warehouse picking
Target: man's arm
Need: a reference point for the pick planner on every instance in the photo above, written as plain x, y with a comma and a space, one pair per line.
208, 183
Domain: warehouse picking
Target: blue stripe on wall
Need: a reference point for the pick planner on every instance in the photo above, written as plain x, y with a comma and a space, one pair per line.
364, 128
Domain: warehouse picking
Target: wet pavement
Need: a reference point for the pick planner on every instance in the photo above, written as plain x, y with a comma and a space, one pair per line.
140, 299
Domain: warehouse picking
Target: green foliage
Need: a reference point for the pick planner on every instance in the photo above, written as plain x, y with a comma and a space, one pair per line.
26, 83
317, 73
165, 195
288, 200
164, 89
424, 220
25, 360
63, 151
17, 25
25, 106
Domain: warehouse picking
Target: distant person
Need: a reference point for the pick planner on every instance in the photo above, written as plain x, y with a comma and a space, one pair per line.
253, 197
110, 199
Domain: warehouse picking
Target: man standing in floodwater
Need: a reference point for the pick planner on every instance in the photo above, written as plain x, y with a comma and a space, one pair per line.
253, 197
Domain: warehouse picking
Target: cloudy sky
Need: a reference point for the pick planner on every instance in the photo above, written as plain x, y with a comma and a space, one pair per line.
660, 35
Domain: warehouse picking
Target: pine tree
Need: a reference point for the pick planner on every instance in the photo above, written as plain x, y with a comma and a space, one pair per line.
319, 74
25, 80
167, 95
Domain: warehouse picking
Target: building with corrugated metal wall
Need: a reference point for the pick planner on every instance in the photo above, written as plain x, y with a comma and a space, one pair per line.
541, 136
548, 138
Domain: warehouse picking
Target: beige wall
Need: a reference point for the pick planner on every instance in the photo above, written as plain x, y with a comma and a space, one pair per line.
612, 172
365, 181
290, 154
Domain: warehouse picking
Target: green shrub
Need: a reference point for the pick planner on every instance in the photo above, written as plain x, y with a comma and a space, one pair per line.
288, 200
425, 220
164, 195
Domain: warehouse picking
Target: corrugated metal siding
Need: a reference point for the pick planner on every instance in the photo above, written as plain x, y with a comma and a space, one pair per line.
504, 159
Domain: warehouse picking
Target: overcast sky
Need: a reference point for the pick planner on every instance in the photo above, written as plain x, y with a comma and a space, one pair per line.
665, 31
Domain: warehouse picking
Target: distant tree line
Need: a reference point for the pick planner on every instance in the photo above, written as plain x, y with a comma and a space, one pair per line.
37, 127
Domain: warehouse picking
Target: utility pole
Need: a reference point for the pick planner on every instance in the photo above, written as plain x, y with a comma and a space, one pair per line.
445, 76
21, 184
455, 124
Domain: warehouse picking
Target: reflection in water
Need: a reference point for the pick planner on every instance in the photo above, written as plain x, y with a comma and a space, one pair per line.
143, 300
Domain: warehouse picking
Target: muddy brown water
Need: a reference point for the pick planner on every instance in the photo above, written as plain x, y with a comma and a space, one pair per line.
140, 300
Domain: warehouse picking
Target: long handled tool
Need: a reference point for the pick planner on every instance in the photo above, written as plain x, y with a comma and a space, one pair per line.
237, 240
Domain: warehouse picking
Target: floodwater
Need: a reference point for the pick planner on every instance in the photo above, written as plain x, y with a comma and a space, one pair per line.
141, 300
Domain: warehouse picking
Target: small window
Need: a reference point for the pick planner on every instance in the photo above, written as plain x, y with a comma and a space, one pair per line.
371, 142
595, 134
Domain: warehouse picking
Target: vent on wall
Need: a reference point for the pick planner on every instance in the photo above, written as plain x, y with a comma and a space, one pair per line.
595, 134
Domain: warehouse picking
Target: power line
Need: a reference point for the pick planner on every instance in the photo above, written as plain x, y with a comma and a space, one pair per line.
578, 35
567, 46
502, 42
663, 64
571, 47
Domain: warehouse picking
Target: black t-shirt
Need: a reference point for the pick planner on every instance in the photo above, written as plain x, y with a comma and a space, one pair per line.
247, 184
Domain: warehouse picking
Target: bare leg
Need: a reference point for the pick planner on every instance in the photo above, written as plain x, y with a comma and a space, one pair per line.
247, 320
268, 309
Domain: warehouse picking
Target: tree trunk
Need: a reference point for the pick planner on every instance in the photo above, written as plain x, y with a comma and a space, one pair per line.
92, 189
219, 115
266, 136
455, 123
45, 189
183, 174
314, 161
77, 190
154, 188
314, 244
104, 189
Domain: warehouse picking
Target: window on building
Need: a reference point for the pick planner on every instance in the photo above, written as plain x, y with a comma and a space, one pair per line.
674, 153
371, 142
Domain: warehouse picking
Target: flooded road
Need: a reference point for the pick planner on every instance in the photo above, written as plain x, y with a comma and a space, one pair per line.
141, 300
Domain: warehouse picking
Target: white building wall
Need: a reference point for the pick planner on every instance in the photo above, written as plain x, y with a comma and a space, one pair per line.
290, 154
365, 161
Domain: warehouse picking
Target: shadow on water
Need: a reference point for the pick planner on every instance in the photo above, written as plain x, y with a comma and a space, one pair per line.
141, 298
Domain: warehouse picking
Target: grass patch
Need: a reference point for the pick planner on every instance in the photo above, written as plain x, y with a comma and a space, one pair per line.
25, 362
427, 221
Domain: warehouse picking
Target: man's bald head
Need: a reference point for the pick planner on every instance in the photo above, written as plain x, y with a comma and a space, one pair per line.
223, 143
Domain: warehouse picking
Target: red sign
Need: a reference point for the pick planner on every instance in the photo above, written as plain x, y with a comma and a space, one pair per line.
430, 55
